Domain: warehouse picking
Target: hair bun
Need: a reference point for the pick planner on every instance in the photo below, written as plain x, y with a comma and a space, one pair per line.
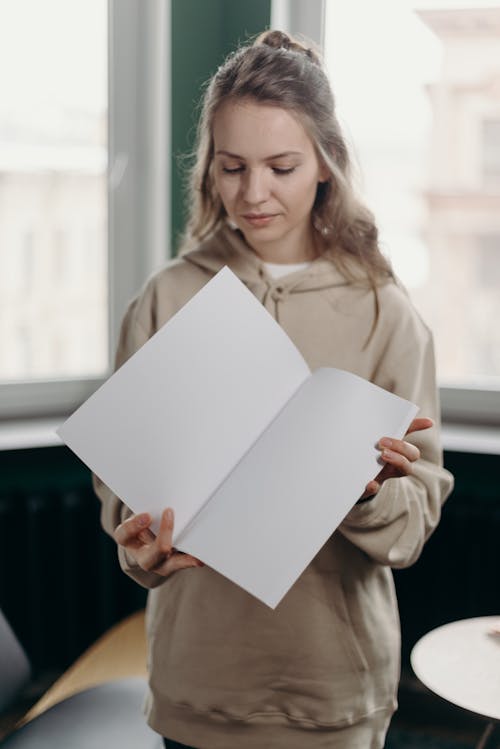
280, 40
275, 39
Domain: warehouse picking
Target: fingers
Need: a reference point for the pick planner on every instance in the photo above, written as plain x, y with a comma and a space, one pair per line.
372, 488
399, 447
177, 561
134, 532
153, 553
171, 560
153, 557
166, 532
418, 424
399, 454
398, 457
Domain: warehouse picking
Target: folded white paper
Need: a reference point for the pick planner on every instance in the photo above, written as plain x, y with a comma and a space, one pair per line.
219, 417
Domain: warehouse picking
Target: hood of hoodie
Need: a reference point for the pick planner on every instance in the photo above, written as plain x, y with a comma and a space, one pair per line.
228, 247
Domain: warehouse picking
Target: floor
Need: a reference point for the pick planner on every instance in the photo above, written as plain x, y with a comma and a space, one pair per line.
423, 721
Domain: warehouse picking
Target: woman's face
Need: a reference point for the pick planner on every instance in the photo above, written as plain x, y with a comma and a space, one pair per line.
266, 172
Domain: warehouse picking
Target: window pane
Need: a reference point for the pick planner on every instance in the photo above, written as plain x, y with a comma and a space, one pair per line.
418, 92
53, 205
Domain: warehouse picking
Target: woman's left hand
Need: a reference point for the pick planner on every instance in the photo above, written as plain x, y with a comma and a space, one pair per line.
398, 457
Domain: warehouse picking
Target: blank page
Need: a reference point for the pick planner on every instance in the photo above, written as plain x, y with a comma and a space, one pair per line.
294, 487
172, 422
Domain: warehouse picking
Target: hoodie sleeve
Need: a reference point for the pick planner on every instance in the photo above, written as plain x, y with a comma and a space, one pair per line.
114, 511
393, 527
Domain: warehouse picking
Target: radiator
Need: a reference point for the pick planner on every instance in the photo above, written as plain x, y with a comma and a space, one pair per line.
60, 582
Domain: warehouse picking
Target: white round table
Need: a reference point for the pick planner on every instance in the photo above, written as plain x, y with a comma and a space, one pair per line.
460, 662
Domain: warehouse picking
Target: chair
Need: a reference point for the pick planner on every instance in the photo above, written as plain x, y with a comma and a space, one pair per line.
15, 671
97, 701
108, 715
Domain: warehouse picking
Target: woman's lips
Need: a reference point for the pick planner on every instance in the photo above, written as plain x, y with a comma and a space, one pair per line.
259, 219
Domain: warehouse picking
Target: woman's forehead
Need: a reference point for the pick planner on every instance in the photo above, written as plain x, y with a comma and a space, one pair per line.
241, 125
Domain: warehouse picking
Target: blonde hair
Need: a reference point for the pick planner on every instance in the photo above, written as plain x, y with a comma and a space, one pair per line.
282, 71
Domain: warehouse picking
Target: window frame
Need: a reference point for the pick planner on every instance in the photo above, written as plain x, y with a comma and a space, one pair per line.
305, 17
138, 187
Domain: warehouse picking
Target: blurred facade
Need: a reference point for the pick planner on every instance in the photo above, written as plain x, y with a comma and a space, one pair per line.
462, 222
53, 249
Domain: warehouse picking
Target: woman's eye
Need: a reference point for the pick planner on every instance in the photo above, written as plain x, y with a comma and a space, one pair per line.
232, 170
280, 170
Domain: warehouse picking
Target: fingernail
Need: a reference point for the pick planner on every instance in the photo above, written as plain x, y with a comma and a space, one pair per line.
385, 442
170, 516
143, 520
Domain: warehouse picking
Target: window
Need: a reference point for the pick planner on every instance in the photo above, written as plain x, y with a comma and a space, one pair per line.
417, 88
53, 154
84, 144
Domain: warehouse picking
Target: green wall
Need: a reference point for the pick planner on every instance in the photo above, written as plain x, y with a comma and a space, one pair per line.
203, 33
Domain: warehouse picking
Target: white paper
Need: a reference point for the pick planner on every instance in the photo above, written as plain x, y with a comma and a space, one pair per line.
169, 425
297, 482
219, 417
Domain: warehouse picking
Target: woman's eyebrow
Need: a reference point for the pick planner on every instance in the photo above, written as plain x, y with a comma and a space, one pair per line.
222, 152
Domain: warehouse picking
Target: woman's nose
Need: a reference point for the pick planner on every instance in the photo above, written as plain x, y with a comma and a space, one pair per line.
255, 187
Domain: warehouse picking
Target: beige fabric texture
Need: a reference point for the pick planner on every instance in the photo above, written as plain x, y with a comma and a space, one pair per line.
225, 670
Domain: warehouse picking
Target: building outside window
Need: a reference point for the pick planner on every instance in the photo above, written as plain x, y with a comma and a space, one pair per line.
418, 89
53, 202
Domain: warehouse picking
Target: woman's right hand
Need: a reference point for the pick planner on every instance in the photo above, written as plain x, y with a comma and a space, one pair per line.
153, 553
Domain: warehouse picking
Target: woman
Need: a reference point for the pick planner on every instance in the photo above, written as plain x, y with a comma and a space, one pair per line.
271, 197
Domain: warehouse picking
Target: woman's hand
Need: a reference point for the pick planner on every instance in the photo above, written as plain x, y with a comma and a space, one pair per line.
398, 456
153, 553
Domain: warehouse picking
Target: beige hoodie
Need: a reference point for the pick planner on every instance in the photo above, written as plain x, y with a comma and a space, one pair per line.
227, 672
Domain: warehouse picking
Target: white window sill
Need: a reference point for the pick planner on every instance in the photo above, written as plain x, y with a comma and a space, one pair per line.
30, 433
466, 438
22, 434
